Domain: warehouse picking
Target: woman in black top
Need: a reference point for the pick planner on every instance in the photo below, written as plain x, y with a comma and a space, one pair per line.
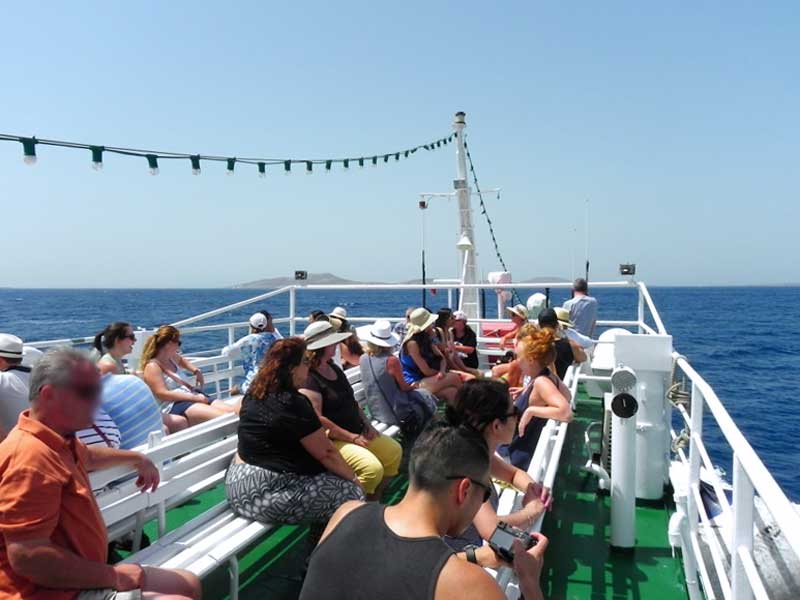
465, 340
286, 470
567, 351
374, 457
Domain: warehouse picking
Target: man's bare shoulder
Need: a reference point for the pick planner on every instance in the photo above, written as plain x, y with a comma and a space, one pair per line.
462, 580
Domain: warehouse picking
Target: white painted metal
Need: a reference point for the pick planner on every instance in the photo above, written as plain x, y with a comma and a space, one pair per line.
468, 299
623, 476
742, 534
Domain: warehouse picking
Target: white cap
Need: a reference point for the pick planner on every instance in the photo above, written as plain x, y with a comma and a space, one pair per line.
258, 321
10, 346
460, 315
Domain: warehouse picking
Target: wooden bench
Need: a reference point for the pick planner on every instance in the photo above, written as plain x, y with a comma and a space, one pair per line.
191, 462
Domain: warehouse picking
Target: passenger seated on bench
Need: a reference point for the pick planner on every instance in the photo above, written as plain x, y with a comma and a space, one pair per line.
390, 399
544, 397
443, 339
373, 456
519, 316
286, 469
114, 342
486, 407
163, 365
253, 347
396, 552
350, 349
129, 401
54, 543
422, 362
401, 327
567, 351
465, 341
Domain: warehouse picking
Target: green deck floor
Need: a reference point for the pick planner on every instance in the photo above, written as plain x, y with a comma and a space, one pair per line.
578, 562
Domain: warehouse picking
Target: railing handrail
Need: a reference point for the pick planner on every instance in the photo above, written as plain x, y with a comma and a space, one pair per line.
764, 483
230, 307
651, 307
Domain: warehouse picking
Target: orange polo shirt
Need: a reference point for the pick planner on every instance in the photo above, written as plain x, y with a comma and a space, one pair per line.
45, 493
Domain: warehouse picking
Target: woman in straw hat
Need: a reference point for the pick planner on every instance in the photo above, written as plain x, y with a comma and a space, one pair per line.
374, 457
422, 362
390, 399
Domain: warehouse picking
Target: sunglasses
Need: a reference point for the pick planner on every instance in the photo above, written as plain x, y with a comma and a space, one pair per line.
86, 391
515, 412
130, 337
179, 342
487, 489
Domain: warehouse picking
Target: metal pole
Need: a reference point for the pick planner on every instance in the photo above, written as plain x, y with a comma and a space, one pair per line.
694, 476
469, 297
292, 300
640, 311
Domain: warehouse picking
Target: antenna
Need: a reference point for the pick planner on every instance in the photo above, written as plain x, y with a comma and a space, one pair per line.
586, 225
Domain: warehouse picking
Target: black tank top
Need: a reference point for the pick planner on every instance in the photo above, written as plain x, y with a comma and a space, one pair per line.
363, 559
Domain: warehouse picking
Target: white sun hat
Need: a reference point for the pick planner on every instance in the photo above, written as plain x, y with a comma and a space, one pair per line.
380, 334
520, 310
10, 346
340, 312
321, 334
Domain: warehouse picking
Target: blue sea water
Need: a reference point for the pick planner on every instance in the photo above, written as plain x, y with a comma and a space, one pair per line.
744, 341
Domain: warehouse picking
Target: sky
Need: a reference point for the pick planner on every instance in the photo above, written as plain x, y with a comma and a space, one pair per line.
677, 124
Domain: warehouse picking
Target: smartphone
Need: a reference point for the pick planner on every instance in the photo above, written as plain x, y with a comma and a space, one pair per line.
502, 541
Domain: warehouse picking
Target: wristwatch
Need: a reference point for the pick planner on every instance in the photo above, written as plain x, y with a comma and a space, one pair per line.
469, 550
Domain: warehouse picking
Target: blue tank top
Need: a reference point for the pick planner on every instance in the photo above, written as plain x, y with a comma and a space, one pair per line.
411, 372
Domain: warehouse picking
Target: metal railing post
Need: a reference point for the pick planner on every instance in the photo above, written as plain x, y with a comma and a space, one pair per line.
694, 476
742, 534
640, 311
231, 339
292, 316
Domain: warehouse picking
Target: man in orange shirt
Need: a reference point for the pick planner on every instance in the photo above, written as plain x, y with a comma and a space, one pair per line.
53, 544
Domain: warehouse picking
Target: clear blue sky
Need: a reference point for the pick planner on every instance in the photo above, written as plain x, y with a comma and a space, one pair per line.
679, 122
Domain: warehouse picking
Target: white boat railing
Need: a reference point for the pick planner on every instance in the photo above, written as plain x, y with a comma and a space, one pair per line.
750, 478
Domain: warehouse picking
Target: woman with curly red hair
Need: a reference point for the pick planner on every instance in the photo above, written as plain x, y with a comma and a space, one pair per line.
544, 396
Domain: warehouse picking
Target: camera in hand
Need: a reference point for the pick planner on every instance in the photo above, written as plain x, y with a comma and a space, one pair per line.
502, 541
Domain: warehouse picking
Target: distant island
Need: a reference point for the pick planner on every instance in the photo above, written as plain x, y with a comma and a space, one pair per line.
331, 279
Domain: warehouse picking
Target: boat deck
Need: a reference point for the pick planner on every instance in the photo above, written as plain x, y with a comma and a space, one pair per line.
578, 563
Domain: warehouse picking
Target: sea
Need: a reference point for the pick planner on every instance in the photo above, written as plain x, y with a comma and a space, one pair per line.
745, 341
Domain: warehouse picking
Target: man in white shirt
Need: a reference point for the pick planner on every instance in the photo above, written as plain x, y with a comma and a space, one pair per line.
14, 379
582, 308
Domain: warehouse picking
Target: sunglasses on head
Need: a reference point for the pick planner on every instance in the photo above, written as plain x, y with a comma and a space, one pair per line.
487, 490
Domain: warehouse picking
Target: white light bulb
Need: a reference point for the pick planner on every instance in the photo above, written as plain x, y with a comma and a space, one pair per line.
229, 172
154, 171
262, 175
29, 160
195, 171
97, 166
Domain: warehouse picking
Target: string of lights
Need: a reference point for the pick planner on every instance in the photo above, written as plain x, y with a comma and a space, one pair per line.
29, 145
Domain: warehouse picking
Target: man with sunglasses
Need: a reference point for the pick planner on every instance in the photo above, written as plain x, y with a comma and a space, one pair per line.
53, 539
394, 553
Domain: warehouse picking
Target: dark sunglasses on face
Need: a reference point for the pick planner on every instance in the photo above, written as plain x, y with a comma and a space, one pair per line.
487, 490
130, 337
515, 412
179, 342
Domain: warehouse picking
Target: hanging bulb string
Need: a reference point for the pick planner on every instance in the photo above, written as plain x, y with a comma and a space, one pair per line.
485, 213
194, 158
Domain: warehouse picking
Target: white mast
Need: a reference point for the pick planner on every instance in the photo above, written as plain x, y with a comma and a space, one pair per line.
468, 298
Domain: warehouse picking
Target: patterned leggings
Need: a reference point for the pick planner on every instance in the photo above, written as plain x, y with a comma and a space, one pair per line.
270, 497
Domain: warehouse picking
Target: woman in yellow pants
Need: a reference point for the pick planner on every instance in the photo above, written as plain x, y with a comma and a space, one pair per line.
374, 457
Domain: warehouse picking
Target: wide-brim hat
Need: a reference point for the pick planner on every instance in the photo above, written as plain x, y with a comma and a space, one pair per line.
380, 334
562, 314
321, 334
10, 346
519, 310
419, 320
340, 312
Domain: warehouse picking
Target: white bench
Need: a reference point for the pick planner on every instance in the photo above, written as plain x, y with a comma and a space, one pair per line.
190, 462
